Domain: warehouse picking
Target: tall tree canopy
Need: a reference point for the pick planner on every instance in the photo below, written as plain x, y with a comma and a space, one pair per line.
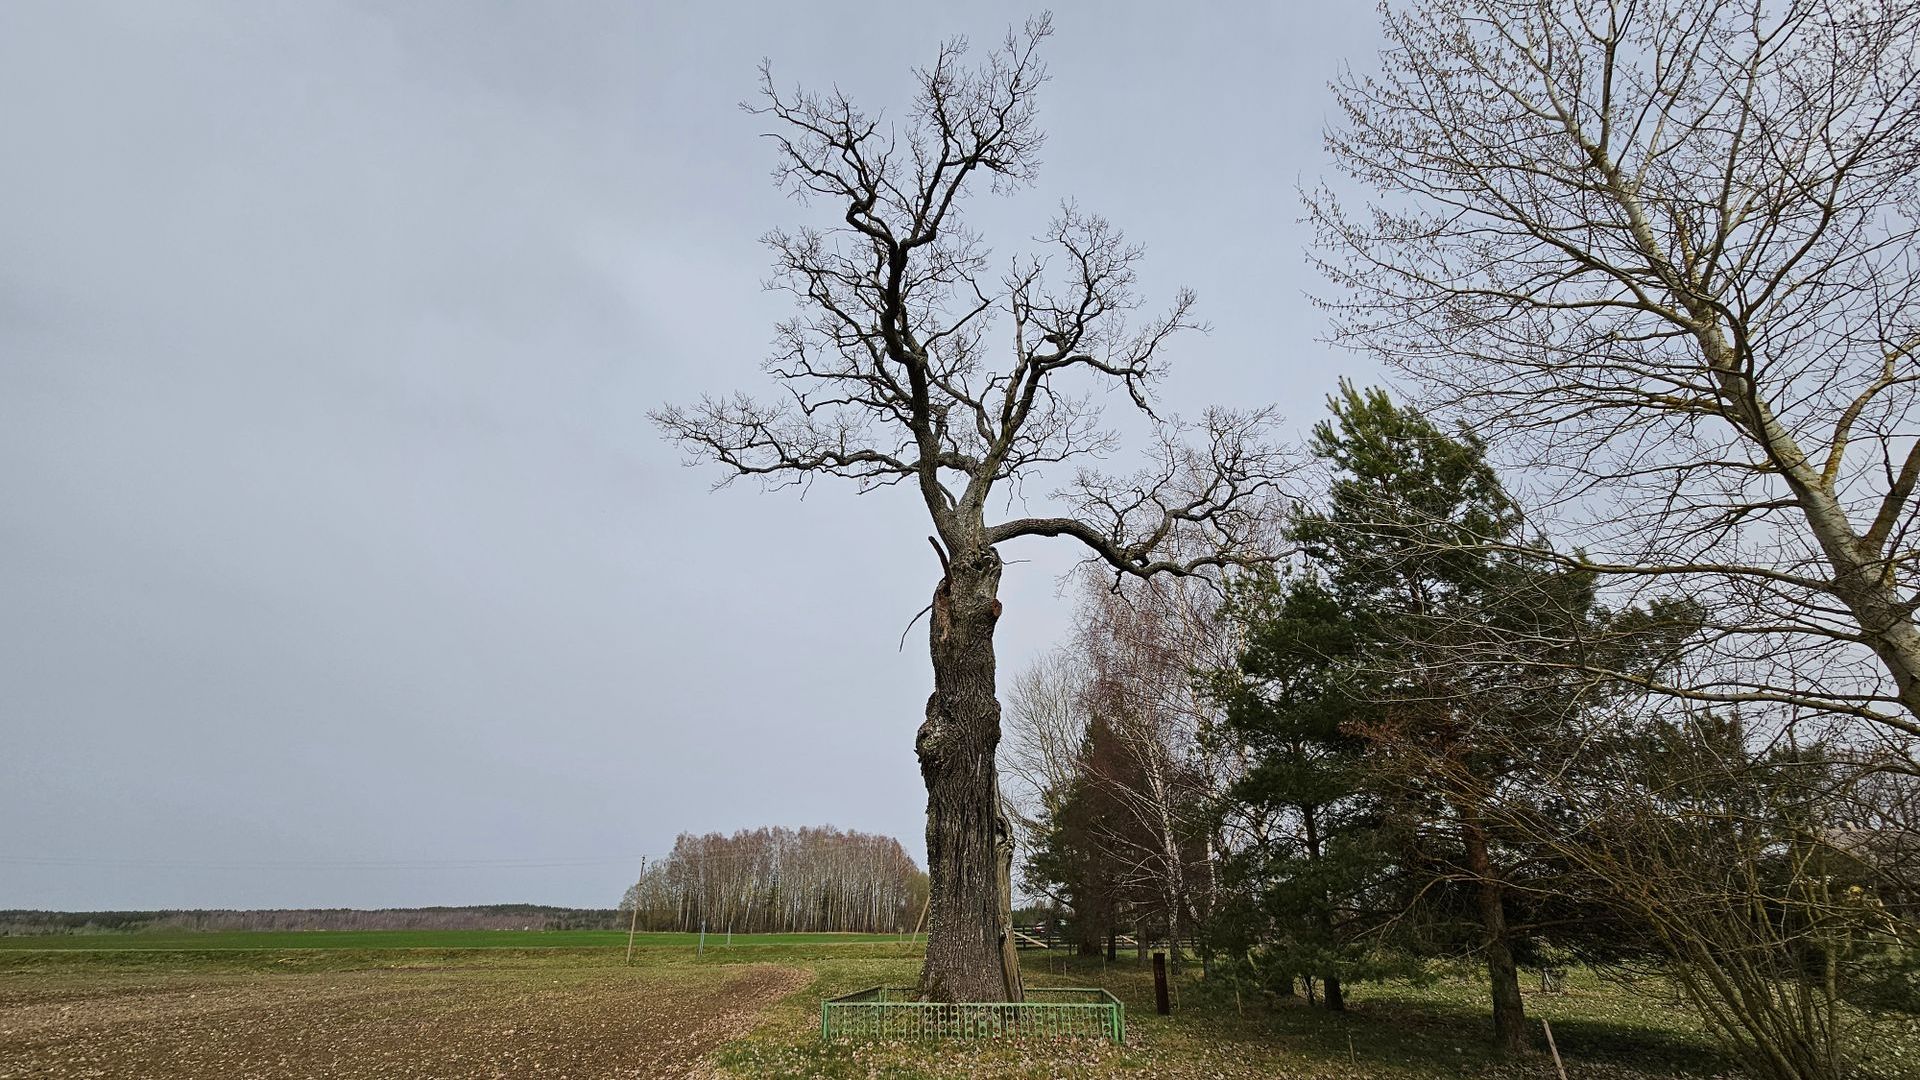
1667, 248
916, 357
1386, 691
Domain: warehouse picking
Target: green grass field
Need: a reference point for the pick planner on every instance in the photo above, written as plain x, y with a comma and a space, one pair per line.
510, 1004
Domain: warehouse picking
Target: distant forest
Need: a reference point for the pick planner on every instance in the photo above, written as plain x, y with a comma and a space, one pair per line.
781, 881
478, 917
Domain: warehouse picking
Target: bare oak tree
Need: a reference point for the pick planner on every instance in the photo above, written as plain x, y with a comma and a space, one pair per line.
892, 372
1667, 249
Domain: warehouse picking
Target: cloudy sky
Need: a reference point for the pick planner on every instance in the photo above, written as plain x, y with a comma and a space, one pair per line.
339, 564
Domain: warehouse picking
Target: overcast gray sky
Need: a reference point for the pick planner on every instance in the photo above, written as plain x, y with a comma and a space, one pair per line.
338, 562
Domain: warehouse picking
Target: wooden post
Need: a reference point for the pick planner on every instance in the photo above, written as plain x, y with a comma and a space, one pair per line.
915, 936
1160, 1004
634, 923
1556, 1050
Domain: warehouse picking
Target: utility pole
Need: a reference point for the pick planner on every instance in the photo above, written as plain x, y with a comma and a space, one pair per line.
634, 922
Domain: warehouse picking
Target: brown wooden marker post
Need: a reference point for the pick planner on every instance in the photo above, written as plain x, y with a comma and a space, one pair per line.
1160, 1004
1562, 1069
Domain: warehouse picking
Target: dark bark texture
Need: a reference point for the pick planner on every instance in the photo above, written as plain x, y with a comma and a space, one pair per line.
970, 946
1509, 1011
889, 376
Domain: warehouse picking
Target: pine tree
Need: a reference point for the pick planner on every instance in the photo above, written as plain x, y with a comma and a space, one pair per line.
1304, 884
1384, 697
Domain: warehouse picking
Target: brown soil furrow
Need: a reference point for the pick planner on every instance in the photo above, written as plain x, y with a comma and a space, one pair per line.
374, 1024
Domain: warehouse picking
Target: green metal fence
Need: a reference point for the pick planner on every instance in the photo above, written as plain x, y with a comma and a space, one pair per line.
1049, 1012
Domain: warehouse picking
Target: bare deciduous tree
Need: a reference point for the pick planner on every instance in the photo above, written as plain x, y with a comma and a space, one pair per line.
1118, 719
1668, 249
781, 881
1735, 858
1146, 646
888, 374
1045, 726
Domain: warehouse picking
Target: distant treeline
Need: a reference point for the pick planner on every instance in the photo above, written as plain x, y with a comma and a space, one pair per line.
782, 880
477, 917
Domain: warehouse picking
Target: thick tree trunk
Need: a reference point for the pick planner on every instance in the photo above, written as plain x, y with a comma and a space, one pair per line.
1509, 1012
1863, 580
1336, 1000
1863, 576
970, 945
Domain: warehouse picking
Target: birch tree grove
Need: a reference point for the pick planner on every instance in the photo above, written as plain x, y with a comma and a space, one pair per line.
915, 357
1666, 251
781, 881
